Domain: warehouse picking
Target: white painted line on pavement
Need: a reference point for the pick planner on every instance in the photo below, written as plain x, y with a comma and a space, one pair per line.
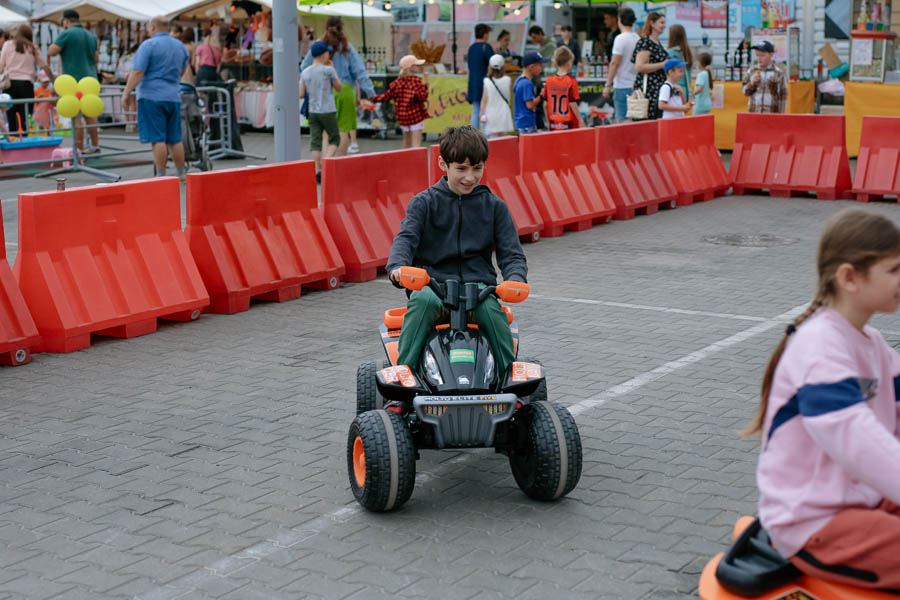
234, 563
665, 309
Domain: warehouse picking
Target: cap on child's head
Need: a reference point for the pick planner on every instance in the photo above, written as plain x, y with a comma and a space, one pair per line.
531, 57
319, 48
764, 46
5, 101
410, 60
497, 61
673, 63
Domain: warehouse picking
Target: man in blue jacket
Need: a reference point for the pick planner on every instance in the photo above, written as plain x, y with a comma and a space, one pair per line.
478, 56
451, 230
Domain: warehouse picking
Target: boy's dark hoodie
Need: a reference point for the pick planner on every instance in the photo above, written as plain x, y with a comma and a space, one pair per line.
453, 237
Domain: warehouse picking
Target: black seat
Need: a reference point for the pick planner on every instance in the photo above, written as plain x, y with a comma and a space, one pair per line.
752, 567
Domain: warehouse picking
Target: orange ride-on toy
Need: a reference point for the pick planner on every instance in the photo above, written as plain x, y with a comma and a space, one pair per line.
752, 568
457, 398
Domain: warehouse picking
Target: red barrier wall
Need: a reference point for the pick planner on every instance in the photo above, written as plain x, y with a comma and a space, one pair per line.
107, 259
264, 242
18, 333
878, 162
791, 154
364, 198
560, 171
503, 174
629, 160
688, 149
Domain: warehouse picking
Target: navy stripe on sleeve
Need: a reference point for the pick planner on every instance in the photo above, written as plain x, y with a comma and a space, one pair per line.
897, 388
785, 414
823, 398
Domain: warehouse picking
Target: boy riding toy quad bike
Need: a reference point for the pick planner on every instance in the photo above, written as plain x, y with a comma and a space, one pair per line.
457, 398
753, 568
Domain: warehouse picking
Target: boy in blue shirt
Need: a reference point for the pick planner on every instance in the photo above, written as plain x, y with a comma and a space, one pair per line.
525, 103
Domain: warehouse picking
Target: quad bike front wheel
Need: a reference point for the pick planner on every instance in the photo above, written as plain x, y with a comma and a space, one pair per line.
381, 460
546, 462
367, 395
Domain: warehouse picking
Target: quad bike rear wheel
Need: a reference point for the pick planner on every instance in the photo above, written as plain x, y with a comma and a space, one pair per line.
547, 462
367, 395
381, 460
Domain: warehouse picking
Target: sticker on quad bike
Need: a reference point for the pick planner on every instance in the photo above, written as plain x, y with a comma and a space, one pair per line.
796, 595
462, 356
400, 374
523, 371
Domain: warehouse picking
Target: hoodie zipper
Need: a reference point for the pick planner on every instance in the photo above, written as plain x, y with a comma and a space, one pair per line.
459, 239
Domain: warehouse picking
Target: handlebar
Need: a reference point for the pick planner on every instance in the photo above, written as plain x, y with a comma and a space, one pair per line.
414, 278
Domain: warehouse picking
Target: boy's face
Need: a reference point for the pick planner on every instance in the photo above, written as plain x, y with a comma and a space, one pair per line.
536, 69
675, 73
462, 177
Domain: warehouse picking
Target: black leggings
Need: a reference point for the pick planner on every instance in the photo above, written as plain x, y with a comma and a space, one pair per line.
20, 89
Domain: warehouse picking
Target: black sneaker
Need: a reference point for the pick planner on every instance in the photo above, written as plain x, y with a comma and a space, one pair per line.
319, 177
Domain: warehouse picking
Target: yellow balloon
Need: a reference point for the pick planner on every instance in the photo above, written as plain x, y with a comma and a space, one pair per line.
88, 85
68, 106
65, 85
91, 105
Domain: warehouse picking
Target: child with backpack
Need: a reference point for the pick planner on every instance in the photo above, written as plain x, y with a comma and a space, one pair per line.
409, 93
561, 94
673, 99
496, 117
829, 469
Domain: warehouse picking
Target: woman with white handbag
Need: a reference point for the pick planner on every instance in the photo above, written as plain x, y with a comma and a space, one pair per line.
649, 58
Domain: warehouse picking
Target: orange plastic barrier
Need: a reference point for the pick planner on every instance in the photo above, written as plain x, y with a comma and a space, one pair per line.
791, 154
365, 198
560, 171
258, 233
18, 333
108, 260
629, 160
503, 174
878, 163
688, 149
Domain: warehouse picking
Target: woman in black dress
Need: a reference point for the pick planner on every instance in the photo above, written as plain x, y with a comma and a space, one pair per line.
648, 58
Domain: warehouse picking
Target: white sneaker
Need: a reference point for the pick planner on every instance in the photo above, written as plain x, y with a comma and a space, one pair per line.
353, 148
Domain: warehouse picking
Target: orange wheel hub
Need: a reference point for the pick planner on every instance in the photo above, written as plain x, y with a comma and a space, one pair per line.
359, 462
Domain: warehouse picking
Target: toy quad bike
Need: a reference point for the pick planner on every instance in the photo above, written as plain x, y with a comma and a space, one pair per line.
752, 568
457, 399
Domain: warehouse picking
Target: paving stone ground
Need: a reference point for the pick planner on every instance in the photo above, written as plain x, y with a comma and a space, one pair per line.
207, 460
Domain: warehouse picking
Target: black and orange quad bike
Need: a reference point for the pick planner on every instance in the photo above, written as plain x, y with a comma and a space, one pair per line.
752, 568
456, 399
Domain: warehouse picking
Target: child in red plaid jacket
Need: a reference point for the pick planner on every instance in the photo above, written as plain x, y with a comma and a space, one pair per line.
409, 94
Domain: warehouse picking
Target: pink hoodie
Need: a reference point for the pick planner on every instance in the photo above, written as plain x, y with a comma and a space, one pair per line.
830, 438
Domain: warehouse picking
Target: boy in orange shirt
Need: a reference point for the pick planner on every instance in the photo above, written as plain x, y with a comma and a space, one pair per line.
561, 93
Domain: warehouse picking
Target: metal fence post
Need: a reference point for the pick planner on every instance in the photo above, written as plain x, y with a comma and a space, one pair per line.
286, 77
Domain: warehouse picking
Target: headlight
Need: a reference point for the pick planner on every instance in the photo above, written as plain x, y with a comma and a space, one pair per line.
489, 366
432, 373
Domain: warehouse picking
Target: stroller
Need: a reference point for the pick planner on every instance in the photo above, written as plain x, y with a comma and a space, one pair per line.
194, 131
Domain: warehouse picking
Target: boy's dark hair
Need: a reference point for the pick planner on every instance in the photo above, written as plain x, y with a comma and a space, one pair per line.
535, 29
502, 33
626, 16
461, 143
482, 30
566, 28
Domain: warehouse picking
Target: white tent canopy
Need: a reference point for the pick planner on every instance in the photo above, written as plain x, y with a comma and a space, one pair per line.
345, 9
221, 9
9, 18
112, 10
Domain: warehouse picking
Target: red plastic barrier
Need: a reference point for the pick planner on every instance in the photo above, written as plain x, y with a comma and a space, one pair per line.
365, 198
878, 163
18, 333
108, 260
629, 160
560, 171
503, 174
258, 233
688, 149
791, 154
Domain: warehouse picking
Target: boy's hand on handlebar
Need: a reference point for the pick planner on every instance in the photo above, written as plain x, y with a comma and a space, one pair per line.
395, 276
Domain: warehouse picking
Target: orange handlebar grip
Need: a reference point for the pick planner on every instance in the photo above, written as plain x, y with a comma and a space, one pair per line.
513, 291
413, 278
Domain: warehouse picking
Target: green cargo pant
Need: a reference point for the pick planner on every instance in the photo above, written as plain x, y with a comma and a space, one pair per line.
425, 308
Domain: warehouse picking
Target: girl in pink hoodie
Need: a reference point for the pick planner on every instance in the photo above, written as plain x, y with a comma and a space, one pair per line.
829, 470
